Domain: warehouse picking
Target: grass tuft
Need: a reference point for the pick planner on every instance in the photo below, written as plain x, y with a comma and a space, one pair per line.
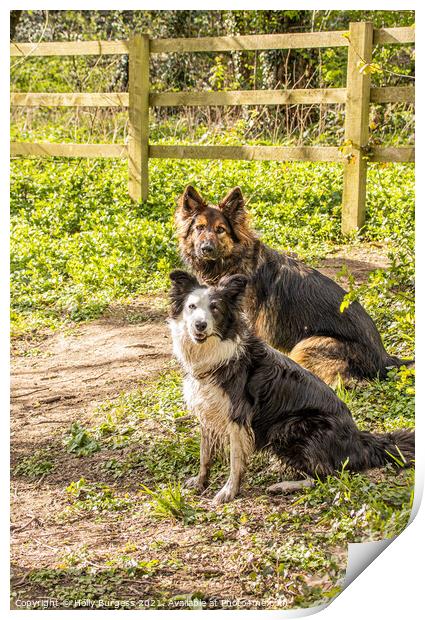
171, 502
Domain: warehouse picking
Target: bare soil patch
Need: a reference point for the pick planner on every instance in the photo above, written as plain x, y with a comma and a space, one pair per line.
69, 373
358, 260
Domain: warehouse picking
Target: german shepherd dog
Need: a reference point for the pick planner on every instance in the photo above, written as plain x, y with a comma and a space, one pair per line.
240, 388
293, 307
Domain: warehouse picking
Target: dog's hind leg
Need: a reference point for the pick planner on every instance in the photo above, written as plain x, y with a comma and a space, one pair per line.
241, 446
323, 356
290, 486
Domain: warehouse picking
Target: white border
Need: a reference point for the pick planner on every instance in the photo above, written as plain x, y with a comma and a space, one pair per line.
391, 587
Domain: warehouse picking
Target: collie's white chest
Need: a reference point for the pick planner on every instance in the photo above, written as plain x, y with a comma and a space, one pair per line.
209, 403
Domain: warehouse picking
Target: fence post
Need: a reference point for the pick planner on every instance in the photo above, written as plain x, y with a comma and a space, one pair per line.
356, 126
138, 112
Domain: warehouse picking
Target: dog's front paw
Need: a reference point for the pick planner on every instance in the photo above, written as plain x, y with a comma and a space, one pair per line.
226, 494
195, 483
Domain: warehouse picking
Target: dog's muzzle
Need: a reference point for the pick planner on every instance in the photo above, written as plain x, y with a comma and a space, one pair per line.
199, 333
208, 251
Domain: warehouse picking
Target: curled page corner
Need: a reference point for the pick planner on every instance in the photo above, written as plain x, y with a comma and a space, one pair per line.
360, 555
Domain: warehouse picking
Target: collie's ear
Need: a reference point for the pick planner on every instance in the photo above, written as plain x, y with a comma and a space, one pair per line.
191, 202
233, 205
183, 282
233, 286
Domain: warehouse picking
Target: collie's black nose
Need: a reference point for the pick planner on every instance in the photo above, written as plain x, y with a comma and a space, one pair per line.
200, 326
207, 249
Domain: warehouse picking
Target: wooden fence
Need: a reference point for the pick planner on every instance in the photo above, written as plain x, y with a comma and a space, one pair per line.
357, 97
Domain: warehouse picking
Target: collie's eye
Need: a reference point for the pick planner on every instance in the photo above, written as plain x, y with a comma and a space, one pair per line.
214, 309
192, 307
220, 230
200, 227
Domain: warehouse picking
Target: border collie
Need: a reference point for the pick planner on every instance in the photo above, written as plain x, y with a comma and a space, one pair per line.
242, 389
293, 307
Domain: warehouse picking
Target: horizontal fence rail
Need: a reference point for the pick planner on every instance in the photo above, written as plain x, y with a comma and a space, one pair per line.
386, 94
70, 48
277, 153
298, 40
97, 100
254, 153
47, 149
357, 97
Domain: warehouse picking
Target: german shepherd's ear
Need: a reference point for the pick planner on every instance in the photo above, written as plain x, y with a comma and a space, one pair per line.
182, 283
233, 286
233, 205
190, 202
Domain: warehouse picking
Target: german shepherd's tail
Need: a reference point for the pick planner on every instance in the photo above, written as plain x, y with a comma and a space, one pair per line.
368, 450
391, 361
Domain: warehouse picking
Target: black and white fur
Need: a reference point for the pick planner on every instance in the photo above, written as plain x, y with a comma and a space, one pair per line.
242, 389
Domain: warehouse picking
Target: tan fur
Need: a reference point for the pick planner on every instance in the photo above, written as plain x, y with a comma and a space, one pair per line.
288, 304
317, 354
212, 218
241, 222
201, 220
226, 243
263, 326
212, 407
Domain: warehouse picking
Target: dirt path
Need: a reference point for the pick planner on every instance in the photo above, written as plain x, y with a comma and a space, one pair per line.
67, 374
62, 377
93, 363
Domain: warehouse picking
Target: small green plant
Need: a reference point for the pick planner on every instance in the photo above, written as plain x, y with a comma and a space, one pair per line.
80, 441
171, 502
35, 466
122, 466
133, 566
352, 293
74, 586
95, 497
294, 554
78, 557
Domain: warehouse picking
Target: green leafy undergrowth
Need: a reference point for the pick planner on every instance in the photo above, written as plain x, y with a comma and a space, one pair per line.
355, 507
38, 464
79, 588
80, 441
389, 296
383, 406
145, 429
164, 448
95, 497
